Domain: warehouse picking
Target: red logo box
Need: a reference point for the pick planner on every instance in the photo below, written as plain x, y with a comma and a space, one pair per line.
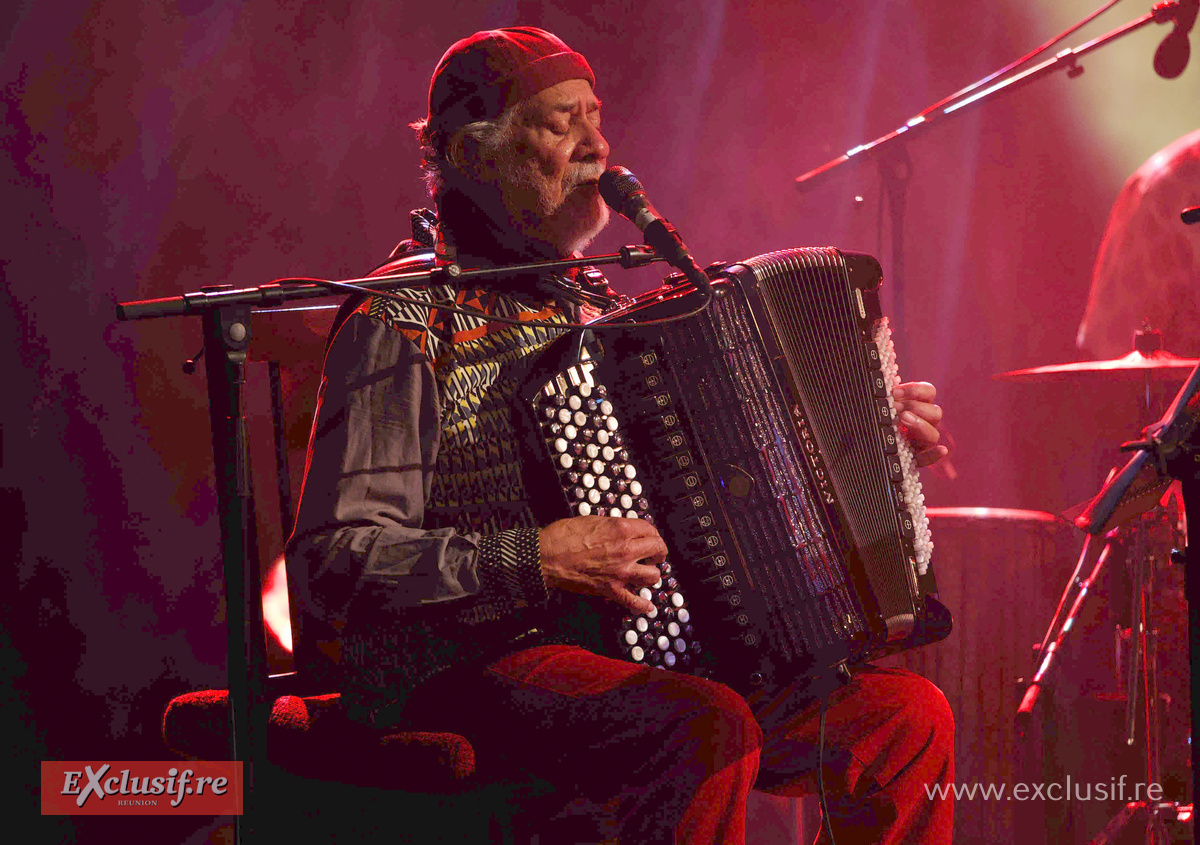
141, 788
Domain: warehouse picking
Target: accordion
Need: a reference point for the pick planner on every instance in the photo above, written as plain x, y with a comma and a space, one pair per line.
758, 437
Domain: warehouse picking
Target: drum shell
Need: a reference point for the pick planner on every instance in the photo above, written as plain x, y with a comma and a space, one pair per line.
1001, 572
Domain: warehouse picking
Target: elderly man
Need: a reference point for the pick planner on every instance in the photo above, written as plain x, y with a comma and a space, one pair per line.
426, 586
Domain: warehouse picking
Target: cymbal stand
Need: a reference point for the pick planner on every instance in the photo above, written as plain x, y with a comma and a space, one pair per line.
1128, 495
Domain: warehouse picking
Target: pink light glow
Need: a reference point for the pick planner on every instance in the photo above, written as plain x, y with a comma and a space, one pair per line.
276, 614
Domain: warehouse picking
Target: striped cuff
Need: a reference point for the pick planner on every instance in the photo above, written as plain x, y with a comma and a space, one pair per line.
510, 567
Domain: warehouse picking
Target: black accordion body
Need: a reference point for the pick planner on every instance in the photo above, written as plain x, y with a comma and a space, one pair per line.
758, 436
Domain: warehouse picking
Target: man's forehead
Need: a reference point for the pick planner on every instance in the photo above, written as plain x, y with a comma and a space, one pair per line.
565, 96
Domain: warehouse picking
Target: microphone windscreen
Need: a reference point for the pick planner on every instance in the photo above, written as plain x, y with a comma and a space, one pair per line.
1171, 57
617, 185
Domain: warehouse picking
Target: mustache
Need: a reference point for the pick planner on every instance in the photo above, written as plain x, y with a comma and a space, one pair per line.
586, 173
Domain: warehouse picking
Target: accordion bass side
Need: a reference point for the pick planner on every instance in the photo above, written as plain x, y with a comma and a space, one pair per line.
758, 436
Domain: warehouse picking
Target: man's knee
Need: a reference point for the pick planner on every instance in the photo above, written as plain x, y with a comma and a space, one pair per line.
923, 713
716, 721
928, 707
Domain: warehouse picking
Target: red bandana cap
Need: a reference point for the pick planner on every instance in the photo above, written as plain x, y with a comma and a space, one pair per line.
486, 73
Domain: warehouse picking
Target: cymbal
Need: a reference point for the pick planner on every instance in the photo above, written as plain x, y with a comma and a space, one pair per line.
1159, 365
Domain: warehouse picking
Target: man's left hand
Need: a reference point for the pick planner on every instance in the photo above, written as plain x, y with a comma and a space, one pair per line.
919, 417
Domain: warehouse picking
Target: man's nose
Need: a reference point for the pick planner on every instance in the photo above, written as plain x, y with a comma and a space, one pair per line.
593, 145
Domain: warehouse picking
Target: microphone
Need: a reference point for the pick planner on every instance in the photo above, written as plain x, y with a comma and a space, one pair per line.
1173, 53
626, 196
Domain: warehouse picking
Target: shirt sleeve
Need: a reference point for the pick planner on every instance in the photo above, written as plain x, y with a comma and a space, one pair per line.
360, 543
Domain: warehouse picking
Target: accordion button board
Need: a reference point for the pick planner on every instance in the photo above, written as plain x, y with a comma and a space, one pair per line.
584, 435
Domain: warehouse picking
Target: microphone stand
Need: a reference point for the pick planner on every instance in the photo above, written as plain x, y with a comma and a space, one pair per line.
895, 166
225, 314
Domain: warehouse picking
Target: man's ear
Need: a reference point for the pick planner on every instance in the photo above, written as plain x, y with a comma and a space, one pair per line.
467, 154
463, 154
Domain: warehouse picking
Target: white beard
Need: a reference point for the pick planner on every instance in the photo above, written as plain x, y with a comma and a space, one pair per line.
568, 226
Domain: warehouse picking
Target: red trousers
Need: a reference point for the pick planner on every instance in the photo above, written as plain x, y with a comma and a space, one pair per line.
642, 755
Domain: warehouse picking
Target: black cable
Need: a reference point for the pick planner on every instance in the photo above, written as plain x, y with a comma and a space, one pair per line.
483, 315
825, 821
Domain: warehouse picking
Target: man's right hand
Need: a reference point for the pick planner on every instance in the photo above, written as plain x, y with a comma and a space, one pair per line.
603, 556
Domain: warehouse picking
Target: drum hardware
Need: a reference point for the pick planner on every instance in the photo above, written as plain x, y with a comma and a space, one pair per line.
1131, 505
